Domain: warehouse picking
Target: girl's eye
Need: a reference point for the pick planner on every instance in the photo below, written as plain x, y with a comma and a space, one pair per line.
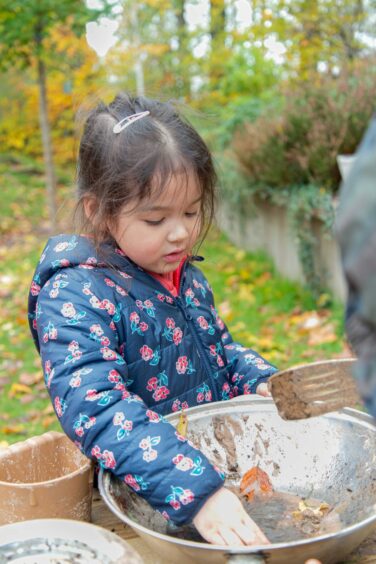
154, 221
191, 214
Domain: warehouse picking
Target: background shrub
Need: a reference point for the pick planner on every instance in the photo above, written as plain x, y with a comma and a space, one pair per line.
298, 144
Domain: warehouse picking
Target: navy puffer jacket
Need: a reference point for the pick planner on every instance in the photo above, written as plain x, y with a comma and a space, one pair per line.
119, 351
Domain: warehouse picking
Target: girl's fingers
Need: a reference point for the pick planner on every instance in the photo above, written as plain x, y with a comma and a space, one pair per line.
213, 537
247, 535
254, 532
251, 535
230, 537
263, 390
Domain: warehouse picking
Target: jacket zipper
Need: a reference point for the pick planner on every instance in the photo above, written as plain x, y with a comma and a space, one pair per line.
200, 349
189, 319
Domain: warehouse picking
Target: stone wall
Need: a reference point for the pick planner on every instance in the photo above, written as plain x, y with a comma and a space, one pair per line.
268, 229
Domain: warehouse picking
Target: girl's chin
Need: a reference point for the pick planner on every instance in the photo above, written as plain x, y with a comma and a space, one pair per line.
163, 269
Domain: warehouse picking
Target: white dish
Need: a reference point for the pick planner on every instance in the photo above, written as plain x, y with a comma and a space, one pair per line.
62, 541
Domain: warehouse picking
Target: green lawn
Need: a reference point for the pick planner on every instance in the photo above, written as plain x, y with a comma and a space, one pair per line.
278, 318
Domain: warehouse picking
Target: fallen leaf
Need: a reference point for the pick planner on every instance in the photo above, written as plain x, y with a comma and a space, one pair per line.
244, 274
14, 430
324, 334
26, 398
33, 415
266, 343
260, 281
22, 320
305, 509
48, 410
255, 481
232, 281
47, 421
239, 326
4, 380
18, 389
30, 379
239, 255
245, 293
182, 425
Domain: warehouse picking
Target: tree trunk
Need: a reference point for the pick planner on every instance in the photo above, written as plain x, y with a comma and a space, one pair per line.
138, 65
47, 144
217, 20
218, 50
183, 82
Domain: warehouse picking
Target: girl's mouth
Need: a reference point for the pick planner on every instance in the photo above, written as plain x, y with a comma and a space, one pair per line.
174, 257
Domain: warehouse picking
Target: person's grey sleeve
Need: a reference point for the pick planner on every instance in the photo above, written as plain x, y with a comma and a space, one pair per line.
356, 234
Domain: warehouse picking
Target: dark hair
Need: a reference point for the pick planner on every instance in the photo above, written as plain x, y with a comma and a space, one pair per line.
117, 169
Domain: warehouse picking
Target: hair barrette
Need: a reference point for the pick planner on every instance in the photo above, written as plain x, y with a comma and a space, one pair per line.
123, 123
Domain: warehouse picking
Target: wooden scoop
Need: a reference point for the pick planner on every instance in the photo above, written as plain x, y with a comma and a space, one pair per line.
313, 389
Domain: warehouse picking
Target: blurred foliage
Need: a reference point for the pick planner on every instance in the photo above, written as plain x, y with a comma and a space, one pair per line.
298, 143
71, 84
220, 65
326, 34
25, 28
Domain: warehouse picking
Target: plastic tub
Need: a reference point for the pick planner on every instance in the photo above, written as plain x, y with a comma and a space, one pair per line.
45, 476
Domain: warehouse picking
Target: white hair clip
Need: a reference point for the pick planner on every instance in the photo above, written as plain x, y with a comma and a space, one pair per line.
123, 123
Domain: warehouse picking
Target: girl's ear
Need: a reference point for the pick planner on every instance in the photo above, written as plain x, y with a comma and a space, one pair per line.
90, 207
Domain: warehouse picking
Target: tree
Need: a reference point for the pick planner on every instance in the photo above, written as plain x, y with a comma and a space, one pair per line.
317, 34
24, 31
153, 53
73, 83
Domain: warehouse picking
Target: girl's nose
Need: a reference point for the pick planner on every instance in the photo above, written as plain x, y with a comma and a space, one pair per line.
179, 232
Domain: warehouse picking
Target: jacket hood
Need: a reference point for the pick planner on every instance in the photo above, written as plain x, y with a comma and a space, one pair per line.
67, 251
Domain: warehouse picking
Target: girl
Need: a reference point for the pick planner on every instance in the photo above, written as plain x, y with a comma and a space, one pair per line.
126, 324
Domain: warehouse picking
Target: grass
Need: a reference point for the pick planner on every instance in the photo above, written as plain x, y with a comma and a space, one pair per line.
277, 317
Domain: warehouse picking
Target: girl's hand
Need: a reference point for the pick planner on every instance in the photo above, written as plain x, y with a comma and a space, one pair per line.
262, 390
223, 520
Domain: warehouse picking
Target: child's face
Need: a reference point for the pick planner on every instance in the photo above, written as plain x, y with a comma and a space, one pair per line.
159, 232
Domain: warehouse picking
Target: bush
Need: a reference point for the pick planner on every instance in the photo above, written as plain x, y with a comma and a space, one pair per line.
298, 145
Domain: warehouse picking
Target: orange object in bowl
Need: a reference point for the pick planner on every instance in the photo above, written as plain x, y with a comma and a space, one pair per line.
255, 481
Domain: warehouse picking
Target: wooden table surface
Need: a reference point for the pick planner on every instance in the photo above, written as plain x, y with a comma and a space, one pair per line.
102, 516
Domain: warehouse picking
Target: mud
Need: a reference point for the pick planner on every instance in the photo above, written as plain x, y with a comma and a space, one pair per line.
288, 401
275, 515
313, 389
278, 516
225, 431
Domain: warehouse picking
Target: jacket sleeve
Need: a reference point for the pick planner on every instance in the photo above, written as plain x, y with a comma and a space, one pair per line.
247, 369
86, 377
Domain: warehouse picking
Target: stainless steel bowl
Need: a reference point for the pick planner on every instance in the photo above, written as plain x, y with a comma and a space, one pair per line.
331, 458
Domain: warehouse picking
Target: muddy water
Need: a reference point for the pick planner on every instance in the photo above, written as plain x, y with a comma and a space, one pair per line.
274, 515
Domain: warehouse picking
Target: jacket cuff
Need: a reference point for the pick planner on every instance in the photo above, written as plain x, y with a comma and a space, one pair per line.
260, 380
181, 504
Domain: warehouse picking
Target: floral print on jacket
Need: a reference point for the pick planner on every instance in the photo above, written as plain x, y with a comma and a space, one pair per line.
119, 352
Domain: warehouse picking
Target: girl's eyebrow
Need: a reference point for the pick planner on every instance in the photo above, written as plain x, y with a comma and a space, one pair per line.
152, 208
